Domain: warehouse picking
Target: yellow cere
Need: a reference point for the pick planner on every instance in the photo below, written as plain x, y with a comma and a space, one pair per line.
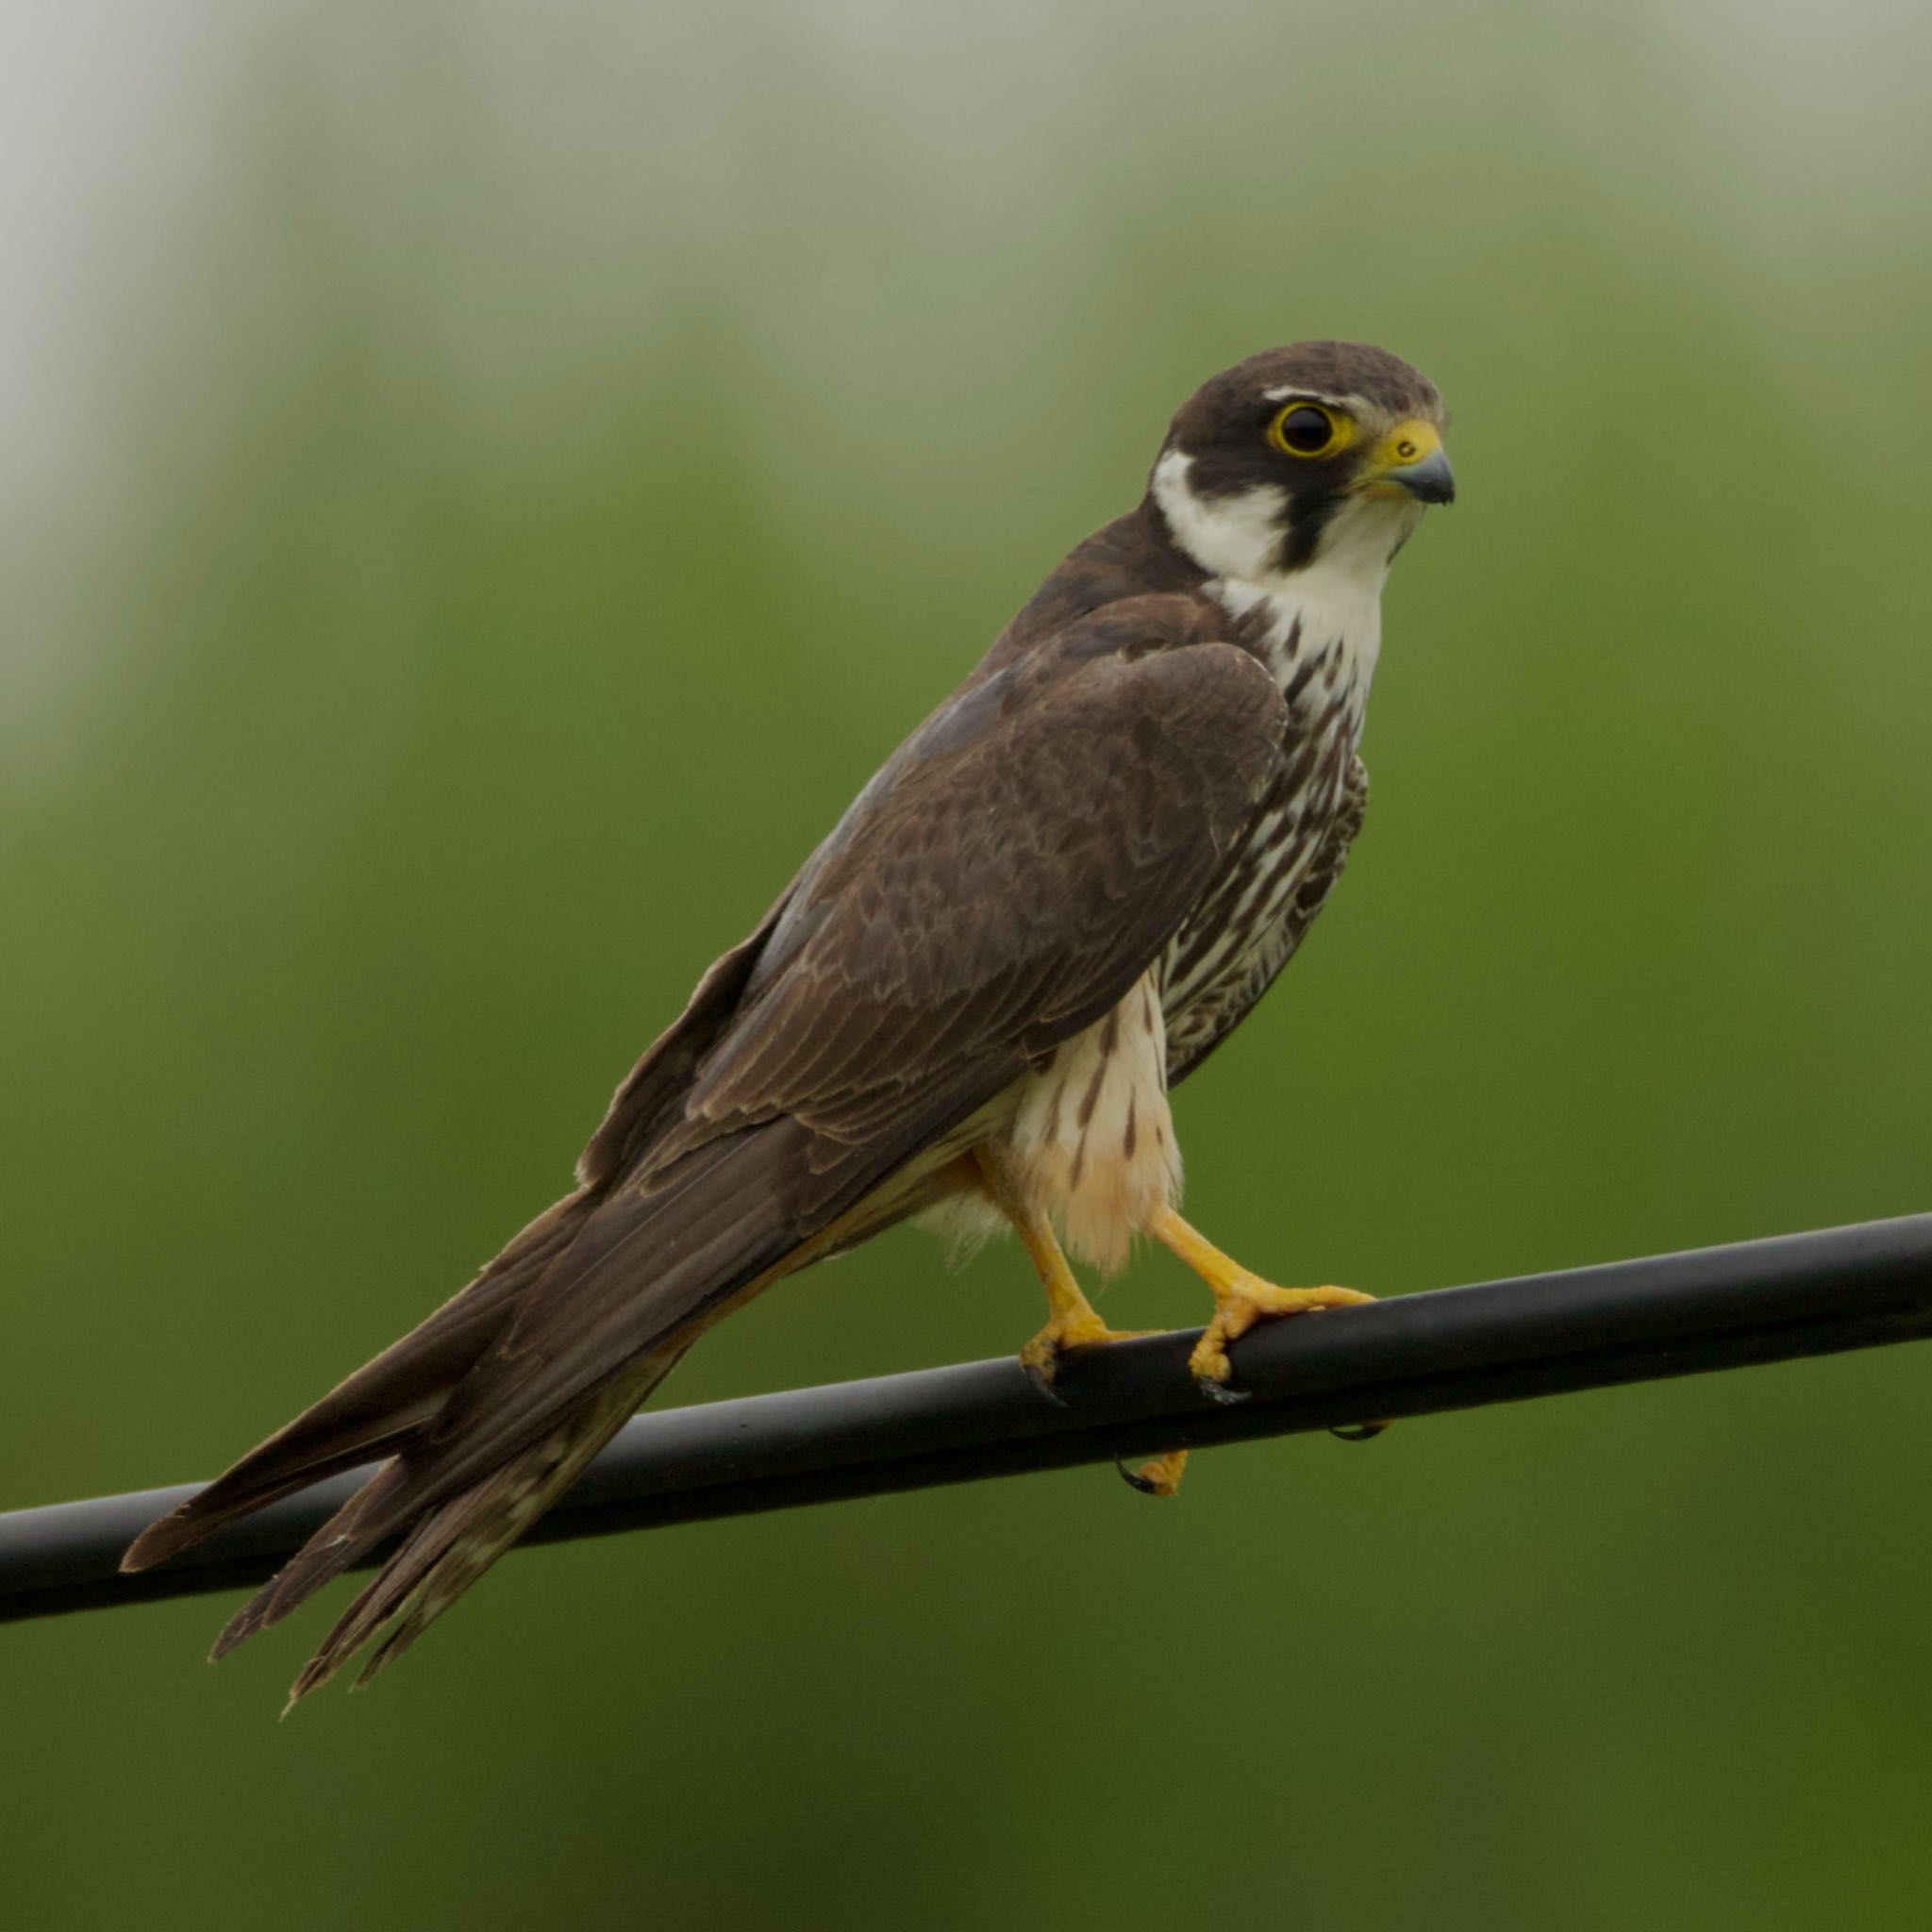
1407, 442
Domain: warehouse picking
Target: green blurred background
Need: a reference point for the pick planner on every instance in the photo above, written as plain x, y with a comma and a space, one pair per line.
483, 486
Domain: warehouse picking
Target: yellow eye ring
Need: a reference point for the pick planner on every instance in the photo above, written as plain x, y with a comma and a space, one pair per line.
1308, 430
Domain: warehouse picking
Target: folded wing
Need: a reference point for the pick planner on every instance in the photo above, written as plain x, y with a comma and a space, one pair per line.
1012, 870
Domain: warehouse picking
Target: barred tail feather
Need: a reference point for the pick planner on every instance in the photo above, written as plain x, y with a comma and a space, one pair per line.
450, 1548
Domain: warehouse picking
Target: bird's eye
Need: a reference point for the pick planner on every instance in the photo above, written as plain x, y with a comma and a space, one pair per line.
1304, 429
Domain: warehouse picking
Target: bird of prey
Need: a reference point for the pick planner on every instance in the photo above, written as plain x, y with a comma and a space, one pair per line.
970, 1006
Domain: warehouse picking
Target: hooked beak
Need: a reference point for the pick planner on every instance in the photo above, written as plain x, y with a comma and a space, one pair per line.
1411, 459
1429, 479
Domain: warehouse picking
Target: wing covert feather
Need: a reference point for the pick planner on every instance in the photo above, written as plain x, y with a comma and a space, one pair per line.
995, 890
1001, 883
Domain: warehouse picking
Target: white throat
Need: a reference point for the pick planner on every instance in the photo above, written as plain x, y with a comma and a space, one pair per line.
1329, 613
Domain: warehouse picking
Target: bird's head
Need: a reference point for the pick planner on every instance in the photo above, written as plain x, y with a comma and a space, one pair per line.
1321, 452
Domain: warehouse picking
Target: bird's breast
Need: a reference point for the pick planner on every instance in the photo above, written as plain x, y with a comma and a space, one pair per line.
1241, 934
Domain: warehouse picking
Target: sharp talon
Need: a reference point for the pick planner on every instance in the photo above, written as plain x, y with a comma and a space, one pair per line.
1221, 1392
1161, 1476
1043, 1383
1357, 1432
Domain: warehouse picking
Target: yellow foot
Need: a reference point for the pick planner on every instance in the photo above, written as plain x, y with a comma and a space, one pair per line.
1073, 1323
1159, 1478
1075, 1327
1240, 1301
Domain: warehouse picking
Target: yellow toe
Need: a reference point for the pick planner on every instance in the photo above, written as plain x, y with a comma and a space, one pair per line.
1040, 1356
1244, 1299
1162, 1477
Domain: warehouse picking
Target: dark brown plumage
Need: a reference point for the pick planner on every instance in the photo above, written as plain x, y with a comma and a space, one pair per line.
1055, 898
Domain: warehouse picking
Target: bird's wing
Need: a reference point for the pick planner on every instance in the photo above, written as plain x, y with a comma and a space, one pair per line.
1012, 873
1013, 869
391, 1395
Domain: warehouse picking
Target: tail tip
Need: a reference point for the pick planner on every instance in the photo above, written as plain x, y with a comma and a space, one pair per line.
157, 1543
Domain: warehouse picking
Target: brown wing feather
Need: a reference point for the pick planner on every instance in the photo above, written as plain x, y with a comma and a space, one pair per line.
654, 1087
365, 1416
1012, 870
864, 1050
381, 1403
1008, 876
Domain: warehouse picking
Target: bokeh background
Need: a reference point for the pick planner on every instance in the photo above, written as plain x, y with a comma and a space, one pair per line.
479, 488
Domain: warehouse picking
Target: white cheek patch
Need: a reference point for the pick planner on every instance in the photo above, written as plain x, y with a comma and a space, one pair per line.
1227, 536
1326, 614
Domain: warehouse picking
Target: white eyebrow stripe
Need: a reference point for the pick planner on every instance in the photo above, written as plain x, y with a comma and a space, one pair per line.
1314, 395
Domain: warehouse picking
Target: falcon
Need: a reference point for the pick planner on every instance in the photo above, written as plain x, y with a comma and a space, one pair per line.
969, 1008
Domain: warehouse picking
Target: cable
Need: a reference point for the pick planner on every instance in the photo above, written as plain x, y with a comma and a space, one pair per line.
1722, 1308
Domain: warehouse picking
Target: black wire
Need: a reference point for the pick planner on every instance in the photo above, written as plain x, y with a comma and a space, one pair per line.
1415, 1355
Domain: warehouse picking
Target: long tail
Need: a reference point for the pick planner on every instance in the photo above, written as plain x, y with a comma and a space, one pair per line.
491, 1409
449, 1548
381, 1403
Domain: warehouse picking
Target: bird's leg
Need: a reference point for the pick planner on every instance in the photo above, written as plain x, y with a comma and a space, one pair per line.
1240, 1299
1072, 1320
